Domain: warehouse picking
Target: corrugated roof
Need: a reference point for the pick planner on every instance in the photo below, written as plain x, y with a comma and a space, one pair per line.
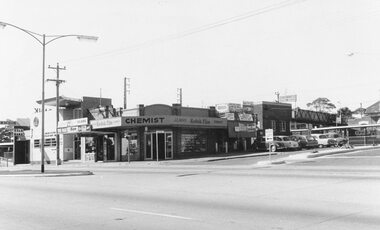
375, 108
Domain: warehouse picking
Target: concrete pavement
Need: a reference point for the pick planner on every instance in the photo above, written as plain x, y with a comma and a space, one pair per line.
307, 156
73, 168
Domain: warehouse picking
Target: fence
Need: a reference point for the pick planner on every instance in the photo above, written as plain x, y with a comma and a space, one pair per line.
6, 159
364, 140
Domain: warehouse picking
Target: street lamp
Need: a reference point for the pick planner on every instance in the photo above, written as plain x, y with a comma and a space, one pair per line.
46, 39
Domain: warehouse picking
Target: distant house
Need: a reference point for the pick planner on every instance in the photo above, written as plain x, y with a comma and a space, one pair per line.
370, 115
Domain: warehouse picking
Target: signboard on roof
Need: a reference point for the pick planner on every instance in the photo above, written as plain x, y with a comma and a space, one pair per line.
288, 98
228, 107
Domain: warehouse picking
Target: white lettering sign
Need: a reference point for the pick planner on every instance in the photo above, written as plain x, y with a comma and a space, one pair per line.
73, 122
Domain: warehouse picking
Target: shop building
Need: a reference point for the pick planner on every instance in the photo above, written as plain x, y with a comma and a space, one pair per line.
241, 126
14, 142
162, 132
273, 115
72, 137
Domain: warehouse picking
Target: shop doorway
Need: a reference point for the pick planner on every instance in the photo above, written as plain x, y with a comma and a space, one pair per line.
77, 147
159, 144
105, 148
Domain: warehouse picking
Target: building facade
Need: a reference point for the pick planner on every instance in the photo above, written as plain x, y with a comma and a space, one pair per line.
71, 140
161, 132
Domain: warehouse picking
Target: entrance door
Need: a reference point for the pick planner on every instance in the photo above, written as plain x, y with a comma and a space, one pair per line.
158, 144
77, 147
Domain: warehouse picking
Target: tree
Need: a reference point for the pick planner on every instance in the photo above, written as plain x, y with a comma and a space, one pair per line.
345, 112
321, 104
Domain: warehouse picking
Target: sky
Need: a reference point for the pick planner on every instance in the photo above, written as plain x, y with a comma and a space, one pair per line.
217, 51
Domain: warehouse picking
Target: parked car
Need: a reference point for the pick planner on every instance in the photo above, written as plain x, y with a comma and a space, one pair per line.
278, 143
288, 143
272, 146
340, 141
324, 140
305, 141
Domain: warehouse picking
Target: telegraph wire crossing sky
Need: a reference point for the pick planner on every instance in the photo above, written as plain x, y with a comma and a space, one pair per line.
216, 51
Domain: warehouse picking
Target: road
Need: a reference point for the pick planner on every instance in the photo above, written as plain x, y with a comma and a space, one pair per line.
334, 192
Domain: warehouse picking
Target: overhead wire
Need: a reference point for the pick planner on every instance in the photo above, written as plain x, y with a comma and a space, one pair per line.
196, 30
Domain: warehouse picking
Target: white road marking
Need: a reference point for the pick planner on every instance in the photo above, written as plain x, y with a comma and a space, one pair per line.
354, 157
152, 213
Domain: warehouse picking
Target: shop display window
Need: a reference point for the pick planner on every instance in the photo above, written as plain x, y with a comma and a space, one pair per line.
194, 142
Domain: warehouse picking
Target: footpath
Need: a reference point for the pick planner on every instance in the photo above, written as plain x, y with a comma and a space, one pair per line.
77, 168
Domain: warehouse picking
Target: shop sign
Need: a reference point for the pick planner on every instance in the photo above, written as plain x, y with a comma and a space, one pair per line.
245, 128
173, 120
106, 123
73, 122
228, 108
245, 117
248, 103
288, 98
7, 122
268, 135
74, 129
36, 122
228, 116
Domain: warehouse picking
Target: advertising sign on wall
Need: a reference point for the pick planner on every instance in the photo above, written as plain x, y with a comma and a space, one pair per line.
106, 123
73, 122
228, 116
245, 117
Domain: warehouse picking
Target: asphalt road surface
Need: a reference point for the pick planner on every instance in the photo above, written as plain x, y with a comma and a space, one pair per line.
335, 192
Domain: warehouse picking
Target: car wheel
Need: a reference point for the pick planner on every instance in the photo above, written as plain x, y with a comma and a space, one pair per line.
273, 148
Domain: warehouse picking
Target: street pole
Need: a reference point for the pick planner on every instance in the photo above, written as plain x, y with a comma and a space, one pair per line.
43, 42
57, 82
278, 96
43, 107
179, 96
125, 93
127, 87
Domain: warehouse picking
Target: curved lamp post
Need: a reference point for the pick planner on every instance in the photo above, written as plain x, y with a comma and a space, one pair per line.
45, 40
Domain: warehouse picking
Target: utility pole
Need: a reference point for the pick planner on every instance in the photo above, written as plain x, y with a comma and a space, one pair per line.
361, 110
127, 87
278, 96
57, 83
179, 95
100, 97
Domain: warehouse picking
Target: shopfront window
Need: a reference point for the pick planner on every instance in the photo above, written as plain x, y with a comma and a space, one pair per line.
148, 141
129, 145
90, 149
168, 146
194, 142
109, 147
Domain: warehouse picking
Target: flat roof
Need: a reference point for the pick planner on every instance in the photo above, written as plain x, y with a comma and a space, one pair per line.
63, 101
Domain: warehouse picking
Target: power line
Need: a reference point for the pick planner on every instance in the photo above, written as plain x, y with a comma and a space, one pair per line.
196, 30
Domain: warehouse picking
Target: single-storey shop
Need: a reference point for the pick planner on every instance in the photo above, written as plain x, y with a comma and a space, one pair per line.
162, 132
